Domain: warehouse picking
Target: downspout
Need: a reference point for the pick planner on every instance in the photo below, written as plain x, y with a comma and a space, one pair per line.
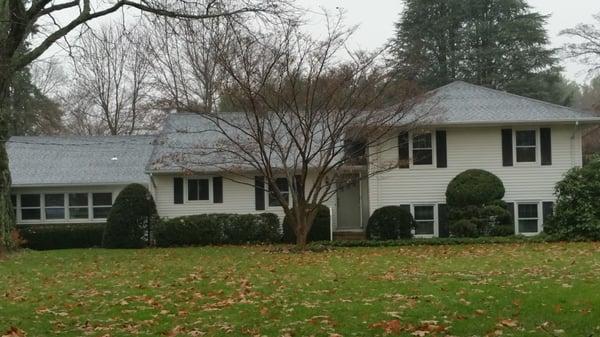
573, 145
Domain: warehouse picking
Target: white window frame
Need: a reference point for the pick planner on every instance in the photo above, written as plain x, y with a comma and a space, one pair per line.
41, 207
539, 219
64, 207
436, 227
67, 218
538, 154
112, 201
186, 199
411, 149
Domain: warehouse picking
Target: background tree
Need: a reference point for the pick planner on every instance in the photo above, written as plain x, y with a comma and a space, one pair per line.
501, 44
20, 19
112, 78
586, 48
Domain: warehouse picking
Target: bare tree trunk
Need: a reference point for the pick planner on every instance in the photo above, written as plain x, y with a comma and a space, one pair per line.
6, 215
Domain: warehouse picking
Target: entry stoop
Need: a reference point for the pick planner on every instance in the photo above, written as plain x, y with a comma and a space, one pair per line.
349, 235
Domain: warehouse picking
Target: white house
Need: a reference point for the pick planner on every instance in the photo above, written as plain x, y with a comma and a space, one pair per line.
527, 143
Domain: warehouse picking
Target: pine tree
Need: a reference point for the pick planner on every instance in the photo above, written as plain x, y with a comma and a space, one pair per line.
501, 44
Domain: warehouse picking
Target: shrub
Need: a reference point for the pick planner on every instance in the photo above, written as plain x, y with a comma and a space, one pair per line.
203, 229
474, 187
215, 229
250, 228
320, 230
464, 228
127, 223
390, 223
495, 221
577, 211
61, 236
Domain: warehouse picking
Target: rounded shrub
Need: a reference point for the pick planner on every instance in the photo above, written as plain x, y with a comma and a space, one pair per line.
474, 187
577, 211
495, 221
252, 228
464, 228
129, 219
390, 223
320, 230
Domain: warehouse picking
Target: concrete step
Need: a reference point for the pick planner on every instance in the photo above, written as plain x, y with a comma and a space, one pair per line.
349, 235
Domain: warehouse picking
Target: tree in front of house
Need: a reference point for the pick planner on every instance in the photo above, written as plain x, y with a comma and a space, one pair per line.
51, 21
501, 44
300, 106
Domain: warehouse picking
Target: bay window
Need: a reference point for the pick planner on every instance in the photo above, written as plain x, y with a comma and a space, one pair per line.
78, 206
54, 206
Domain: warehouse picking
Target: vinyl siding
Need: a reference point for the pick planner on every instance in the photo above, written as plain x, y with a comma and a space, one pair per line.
238, 197
470, 148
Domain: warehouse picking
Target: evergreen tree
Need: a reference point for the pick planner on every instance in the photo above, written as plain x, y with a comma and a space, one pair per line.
501, 44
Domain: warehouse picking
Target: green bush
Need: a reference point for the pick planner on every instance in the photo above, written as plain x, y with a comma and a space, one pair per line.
129, 219
250, 228
464, 228
495, 221
474, 187
320, 230
577, 211
215, 229
61, 236
390, 223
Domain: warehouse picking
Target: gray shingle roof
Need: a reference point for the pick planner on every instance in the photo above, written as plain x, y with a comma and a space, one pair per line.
89, 160
463, 103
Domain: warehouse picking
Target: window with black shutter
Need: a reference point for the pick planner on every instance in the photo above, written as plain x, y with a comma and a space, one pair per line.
198, 189
178, 190
259, 193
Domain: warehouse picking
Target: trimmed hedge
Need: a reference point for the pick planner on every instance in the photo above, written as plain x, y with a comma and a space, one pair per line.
542, 238
320, 230
215, 229
127, 223
390, 223
61, 236
474, 187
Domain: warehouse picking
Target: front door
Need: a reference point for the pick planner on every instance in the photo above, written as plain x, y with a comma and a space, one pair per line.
348, 205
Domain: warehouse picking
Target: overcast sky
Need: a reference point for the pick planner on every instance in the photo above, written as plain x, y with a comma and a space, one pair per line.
376, 19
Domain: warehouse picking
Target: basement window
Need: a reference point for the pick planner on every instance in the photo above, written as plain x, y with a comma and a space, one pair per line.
528, 218
425, 219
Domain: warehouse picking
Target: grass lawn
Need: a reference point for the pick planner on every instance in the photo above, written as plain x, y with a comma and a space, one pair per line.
474, 290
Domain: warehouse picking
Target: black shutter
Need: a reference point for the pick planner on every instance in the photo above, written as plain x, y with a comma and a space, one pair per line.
548, 210
403, 153
218, 190
507, 147
297, 186
178, 190
259, 193
511, 209
441, 148
546, 145
444, 226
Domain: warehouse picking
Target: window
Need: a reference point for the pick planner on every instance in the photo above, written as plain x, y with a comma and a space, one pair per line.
528, 218
425, 219
30, 207
78, 205
355, 152
198, 189
102, 203
422, 149
526, 146
54, 206
13, 201
282, 185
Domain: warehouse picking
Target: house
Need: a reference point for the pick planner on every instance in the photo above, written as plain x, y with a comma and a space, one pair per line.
527, 143
73, 179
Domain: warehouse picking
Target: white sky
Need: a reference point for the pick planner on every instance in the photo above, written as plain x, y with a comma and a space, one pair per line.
376, 19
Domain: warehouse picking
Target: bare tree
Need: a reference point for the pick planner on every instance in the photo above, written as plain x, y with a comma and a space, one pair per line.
302, 108
20, 19
587, 48
186, 75
112, 73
